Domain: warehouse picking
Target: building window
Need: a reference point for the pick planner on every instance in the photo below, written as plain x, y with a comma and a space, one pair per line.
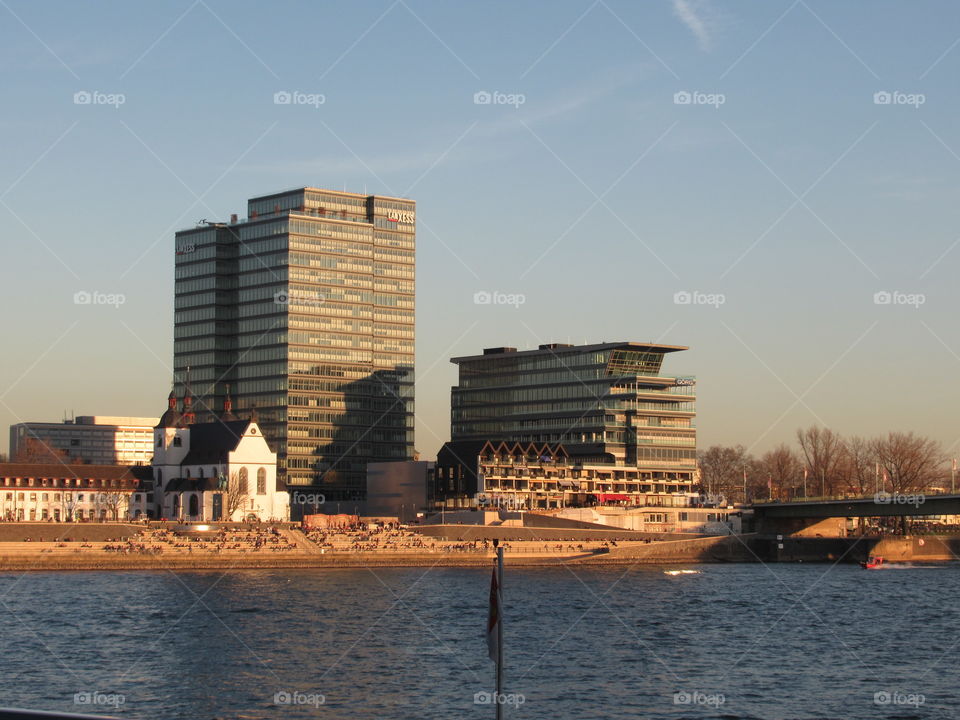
177, 442
262, 481
244, 481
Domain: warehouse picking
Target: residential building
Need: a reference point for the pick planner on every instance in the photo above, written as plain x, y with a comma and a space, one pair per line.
60, 492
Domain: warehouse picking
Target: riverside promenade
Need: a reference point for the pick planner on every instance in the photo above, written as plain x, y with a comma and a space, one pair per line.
119, 546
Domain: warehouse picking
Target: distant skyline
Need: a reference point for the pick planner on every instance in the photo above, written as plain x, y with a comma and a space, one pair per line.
772, 184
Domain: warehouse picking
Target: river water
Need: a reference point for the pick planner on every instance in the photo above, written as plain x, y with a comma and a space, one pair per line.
723, 641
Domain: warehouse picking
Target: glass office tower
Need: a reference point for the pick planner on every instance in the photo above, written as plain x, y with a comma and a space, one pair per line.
606, 403
306, 309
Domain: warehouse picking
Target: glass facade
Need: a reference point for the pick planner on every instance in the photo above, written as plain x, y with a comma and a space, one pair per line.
307, 310
605, 403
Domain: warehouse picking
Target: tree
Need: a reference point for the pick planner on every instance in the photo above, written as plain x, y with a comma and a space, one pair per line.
722, 469
911, 464
235, 498
782, 470
111, 501
821, 448
34, 450
857, 466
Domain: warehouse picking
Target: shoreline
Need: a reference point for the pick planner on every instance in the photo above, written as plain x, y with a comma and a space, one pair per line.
100, 564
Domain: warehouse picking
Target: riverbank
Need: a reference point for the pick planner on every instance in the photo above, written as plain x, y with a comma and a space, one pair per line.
291, 549
285, 547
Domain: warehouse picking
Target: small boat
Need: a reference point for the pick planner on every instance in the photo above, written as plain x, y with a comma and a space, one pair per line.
874, 562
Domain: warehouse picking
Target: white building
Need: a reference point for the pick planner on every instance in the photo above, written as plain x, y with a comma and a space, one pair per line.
58, 492
216, 471
94, 439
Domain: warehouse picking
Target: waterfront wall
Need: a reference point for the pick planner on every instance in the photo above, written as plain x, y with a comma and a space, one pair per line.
48, 532
727, 548
507, 532
933, 548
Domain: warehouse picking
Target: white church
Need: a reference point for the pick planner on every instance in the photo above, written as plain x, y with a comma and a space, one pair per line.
208, 472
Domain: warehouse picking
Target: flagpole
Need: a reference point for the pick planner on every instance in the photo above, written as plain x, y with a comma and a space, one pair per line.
499, 695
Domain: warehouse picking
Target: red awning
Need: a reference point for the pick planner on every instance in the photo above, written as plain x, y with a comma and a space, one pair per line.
610, 497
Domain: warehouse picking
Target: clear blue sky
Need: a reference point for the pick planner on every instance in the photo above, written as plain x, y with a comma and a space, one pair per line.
598, 198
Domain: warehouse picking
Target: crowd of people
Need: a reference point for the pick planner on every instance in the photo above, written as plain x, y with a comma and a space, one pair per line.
359, 537
257, 539
390, 537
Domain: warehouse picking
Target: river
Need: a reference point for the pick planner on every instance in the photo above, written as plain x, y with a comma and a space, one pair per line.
730, 641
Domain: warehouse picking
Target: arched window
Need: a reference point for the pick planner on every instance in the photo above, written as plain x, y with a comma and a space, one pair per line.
244, 482
194, 505
200, 473
262, 481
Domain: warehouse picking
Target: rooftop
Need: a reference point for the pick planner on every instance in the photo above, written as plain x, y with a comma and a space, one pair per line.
76, 470
309, 188
560, 348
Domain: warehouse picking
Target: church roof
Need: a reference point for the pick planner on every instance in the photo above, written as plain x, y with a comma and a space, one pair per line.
210, 442
193, 484
169, 419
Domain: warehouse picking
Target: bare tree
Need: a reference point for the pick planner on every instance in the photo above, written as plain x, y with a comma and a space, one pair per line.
856, 467
821, 448
722, 471
235, 497
912, 464
781, 470
111, 501
34, 450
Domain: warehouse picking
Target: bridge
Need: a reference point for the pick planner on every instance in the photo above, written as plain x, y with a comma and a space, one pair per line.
820, 516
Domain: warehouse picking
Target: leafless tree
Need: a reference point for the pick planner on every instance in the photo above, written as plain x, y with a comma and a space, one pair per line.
722, 470
235, 498
112, 502
34, 450
782, 471
857, 465
913, 464
821, 448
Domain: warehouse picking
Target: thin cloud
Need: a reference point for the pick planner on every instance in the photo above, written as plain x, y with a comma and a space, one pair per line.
687, 14
562, 104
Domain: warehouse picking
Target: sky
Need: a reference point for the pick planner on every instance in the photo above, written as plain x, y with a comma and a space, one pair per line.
772, 184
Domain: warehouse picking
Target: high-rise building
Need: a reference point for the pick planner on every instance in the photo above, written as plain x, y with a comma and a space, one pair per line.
95, 439
571, 426
306, 310
605, 403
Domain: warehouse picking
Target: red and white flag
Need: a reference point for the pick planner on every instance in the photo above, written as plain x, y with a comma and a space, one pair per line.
493, 619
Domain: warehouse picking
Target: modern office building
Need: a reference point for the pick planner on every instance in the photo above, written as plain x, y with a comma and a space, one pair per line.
94, 439
604, 403
569, 425
306, 310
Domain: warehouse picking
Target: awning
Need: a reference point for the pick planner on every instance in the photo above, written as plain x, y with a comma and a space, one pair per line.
610, 497
567, 484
